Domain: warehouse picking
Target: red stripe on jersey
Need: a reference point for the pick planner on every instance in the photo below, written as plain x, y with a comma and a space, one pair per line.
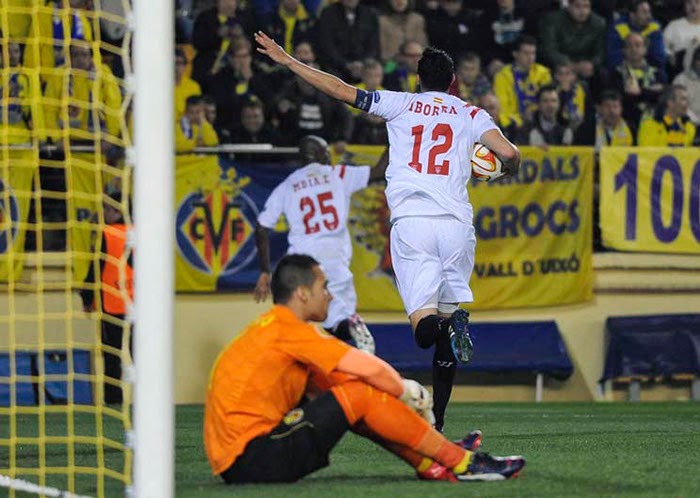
474, 111
342, 171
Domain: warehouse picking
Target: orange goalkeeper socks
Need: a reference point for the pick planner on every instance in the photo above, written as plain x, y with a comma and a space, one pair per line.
391, 420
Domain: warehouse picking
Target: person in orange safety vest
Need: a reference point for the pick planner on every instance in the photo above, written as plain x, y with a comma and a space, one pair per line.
114, 270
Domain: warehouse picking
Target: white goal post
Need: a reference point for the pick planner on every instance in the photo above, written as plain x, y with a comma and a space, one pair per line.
153, 56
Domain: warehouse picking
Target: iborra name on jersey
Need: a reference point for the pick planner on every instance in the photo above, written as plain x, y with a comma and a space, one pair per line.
431, 109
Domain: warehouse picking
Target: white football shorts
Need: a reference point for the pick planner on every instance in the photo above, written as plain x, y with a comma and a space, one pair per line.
342, 288
433, 259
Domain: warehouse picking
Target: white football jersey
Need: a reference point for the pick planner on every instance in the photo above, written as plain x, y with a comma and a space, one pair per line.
315, 200
431, 137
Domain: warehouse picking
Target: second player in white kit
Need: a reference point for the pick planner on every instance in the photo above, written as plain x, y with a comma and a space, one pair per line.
315, 200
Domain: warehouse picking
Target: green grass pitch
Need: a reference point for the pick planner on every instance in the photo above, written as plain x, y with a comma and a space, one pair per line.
572, 449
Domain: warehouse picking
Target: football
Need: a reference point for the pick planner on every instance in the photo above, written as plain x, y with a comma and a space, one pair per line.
486, 166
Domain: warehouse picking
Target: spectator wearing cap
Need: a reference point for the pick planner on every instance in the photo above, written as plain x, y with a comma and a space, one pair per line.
638, 20
574, 34
185, 86
670, 125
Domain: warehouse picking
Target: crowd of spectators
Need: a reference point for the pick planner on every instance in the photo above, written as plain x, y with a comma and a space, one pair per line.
551, 72
569, 72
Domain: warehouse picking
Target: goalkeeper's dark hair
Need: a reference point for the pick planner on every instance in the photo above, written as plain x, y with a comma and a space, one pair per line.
292, 271
436, 70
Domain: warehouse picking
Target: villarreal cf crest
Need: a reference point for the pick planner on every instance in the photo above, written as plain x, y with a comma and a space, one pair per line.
214, 226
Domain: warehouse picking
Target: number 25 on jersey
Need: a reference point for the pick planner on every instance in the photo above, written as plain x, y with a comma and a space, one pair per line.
322, 205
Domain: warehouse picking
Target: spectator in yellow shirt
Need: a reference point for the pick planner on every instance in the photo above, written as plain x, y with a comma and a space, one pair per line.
86, 100
56, 26
607, 127
185, 86
21, 113
516, 85
670, 125
193, 130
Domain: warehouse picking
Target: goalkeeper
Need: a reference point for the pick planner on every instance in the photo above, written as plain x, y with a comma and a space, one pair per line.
260, 427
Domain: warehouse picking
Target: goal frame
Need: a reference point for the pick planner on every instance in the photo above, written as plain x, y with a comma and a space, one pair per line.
154, 259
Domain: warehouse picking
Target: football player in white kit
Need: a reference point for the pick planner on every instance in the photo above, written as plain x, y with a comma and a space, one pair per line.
431, 137
315, 200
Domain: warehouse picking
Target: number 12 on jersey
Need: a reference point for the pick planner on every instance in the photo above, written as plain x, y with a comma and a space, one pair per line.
329, 215
440, 131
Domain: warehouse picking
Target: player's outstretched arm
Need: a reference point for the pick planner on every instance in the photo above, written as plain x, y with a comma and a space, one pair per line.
504, 149
262, 242
326, 83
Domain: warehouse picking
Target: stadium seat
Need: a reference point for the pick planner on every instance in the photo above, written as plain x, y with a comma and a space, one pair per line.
56, 367
653, 348
535, 347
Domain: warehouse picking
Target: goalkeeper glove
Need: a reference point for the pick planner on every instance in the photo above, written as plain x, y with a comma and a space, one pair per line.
416, 396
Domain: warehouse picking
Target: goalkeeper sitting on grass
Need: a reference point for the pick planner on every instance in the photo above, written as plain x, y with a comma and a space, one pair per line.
260, 425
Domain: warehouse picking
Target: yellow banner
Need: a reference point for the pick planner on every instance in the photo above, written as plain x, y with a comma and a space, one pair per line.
534, 234
18, 170
650, 199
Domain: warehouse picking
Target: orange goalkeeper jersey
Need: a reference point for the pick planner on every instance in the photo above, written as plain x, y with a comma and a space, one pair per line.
259, 377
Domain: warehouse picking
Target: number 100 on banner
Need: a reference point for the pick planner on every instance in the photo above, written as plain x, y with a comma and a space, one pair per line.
650, 199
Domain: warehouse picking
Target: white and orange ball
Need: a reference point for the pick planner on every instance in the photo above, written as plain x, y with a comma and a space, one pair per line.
486, 167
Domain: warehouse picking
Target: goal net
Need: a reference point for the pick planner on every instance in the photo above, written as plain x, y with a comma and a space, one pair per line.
65, 248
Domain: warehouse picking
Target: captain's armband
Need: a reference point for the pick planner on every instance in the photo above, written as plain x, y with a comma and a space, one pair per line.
363, 99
